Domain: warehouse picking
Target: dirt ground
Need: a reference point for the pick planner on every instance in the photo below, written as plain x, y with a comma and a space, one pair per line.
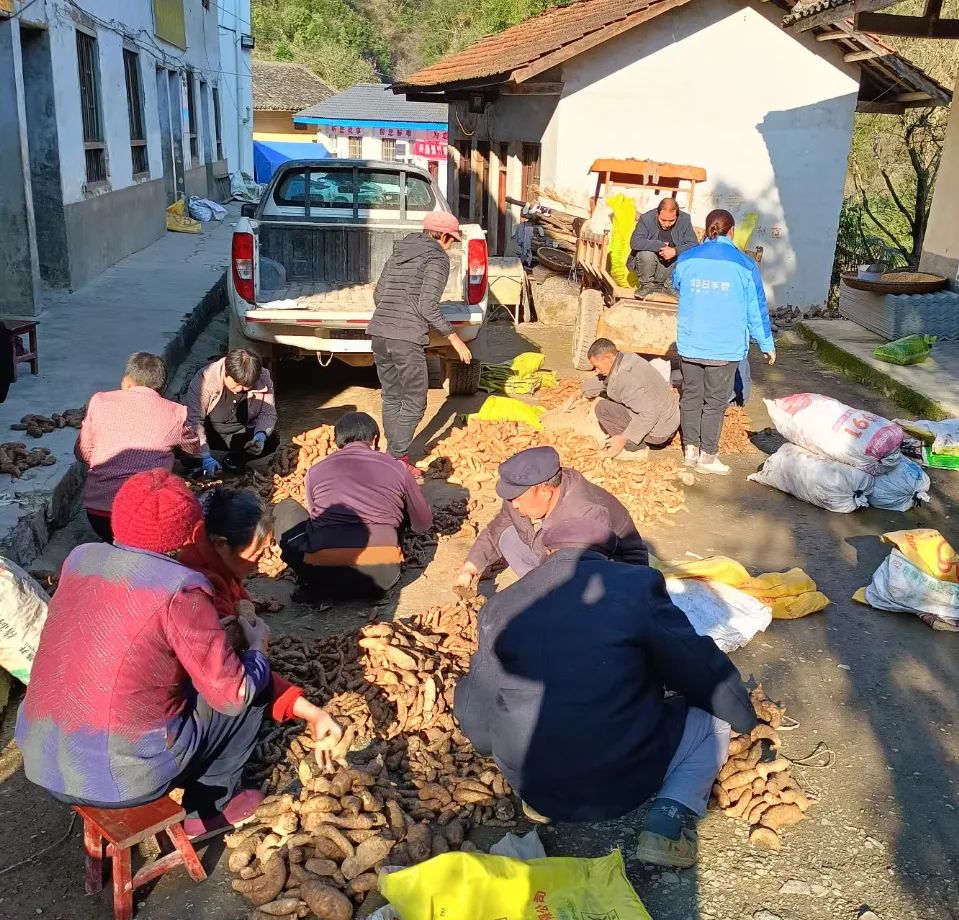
878, 689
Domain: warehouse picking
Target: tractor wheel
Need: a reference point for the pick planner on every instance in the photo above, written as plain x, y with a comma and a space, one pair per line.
584, 334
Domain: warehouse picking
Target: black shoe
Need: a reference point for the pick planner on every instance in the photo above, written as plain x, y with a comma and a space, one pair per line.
234, 465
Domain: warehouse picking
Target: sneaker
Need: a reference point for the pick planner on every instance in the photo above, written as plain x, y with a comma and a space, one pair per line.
656, 850
691, 456
416, 473
712, 465
238, 810
534, 815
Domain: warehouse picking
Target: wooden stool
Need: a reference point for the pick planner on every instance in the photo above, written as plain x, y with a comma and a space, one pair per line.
16, 328
123, 828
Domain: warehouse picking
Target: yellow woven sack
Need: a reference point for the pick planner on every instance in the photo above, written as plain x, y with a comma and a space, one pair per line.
506, 409
744, 230
624, 222
927, 549
712, 568
529, 362
474, 886
179, 221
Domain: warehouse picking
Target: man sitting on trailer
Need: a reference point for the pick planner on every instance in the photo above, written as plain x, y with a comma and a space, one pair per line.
660, 237
538, 494
636, 407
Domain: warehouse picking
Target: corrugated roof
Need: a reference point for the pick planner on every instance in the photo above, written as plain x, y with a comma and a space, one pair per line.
375, 102
531, 40
281, 86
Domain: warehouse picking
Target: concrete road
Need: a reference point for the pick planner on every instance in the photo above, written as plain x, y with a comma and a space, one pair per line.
877, 689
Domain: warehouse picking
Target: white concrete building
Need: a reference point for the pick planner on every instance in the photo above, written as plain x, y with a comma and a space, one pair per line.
367, 121
717, 84
236, 83
109, 113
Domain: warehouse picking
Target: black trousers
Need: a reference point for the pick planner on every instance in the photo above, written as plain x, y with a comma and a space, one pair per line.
235, 448
703, 402
614, 418
102, 526
404, 380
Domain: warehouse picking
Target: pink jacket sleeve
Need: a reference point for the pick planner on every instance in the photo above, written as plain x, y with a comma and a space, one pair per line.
200, 643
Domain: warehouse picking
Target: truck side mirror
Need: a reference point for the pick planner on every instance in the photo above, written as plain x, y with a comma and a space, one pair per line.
248, 209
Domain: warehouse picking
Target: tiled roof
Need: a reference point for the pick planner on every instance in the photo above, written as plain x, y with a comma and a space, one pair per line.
280, 86
375, 102
532, 40
803, 10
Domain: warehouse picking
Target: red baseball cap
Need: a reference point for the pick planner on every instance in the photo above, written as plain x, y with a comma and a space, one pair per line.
443, 222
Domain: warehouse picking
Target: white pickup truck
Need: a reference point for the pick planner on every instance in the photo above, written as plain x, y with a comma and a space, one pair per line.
304, 264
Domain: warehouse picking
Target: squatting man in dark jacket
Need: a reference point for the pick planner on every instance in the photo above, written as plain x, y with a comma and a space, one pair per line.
407, 299
660, 237
538, 494
567, 693
637, 407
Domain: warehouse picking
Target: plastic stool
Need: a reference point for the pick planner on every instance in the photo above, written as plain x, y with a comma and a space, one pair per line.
17, 328
123, 828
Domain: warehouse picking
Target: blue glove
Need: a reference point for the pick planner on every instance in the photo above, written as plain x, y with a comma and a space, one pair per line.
211, 467
255, 445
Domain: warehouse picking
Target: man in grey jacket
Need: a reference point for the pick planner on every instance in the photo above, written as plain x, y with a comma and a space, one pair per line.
639, 408
407, 299
660, 237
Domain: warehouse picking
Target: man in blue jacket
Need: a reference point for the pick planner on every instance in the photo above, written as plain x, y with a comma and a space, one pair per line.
660, 237
567, 692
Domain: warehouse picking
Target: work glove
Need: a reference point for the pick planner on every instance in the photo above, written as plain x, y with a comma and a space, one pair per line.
254, 446
211, 466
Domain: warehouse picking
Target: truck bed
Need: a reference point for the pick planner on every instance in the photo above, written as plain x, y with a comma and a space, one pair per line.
332, 267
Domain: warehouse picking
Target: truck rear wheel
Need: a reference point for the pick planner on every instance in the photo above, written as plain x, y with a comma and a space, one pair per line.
587, 320
462, 379
238, 340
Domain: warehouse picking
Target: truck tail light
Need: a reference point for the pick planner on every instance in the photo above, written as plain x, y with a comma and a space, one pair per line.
477, 267
243, 266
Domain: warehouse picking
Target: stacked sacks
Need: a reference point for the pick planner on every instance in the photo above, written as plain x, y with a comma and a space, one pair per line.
840, 458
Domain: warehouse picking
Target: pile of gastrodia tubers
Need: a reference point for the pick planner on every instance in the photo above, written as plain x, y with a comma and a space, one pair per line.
755, 784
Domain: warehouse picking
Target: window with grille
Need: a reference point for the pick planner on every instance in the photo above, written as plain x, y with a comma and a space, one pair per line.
389, 149
191, 117
531, 154
217, 126
355, 148
95, 150
138, 139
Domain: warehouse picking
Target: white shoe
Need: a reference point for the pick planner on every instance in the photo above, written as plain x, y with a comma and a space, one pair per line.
691, 456
714, 466
633, 456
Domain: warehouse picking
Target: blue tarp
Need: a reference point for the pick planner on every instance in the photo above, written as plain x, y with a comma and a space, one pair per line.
268, 155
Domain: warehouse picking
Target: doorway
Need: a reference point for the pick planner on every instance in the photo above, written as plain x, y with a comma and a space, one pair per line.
171, 133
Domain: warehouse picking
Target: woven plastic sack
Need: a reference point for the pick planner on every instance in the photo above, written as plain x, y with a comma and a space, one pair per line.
832, 429
624, 222
913, 349
23, 611
942, 436
900, 586
178, 221
928, 549
474, 886
825, 483
729, 617
902, 488
506, 409
529, 362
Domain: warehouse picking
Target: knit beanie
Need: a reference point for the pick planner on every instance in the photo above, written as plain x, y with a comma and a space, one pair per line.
155, 511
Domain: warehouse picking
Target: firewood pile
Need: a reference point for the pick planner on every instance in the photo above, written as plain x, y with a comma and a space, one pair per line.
402, 785
651, 492
755, 784
36, 426
555, 228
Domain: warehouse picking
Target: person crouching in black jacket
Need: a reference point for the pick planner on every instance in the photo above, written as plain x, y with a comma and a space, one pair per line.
407, 299
567, 692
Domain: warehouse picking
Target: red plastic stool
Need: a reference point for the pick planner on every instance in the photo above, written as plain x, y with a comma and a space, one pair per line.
123, 828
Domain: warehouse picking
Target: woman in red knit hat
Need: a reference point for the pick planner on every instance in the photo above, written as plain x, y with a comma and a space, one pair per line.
135, 689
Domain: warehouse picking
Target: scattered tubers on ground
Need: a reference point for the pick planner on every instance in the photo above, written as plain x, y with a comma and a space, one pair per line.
403, 784
755, 783
16, 459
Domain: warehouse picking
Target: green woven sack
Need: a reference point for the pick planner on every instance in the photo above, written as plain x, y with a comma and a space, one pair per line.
913, 349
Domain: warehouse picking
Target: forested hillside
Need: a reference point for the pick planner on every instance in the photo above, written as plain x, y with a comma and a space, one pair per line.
345, 41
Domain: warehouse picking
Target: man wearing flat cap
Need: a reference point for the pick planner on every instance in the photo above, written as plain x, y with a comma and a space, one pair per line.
567, 693
538, 493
